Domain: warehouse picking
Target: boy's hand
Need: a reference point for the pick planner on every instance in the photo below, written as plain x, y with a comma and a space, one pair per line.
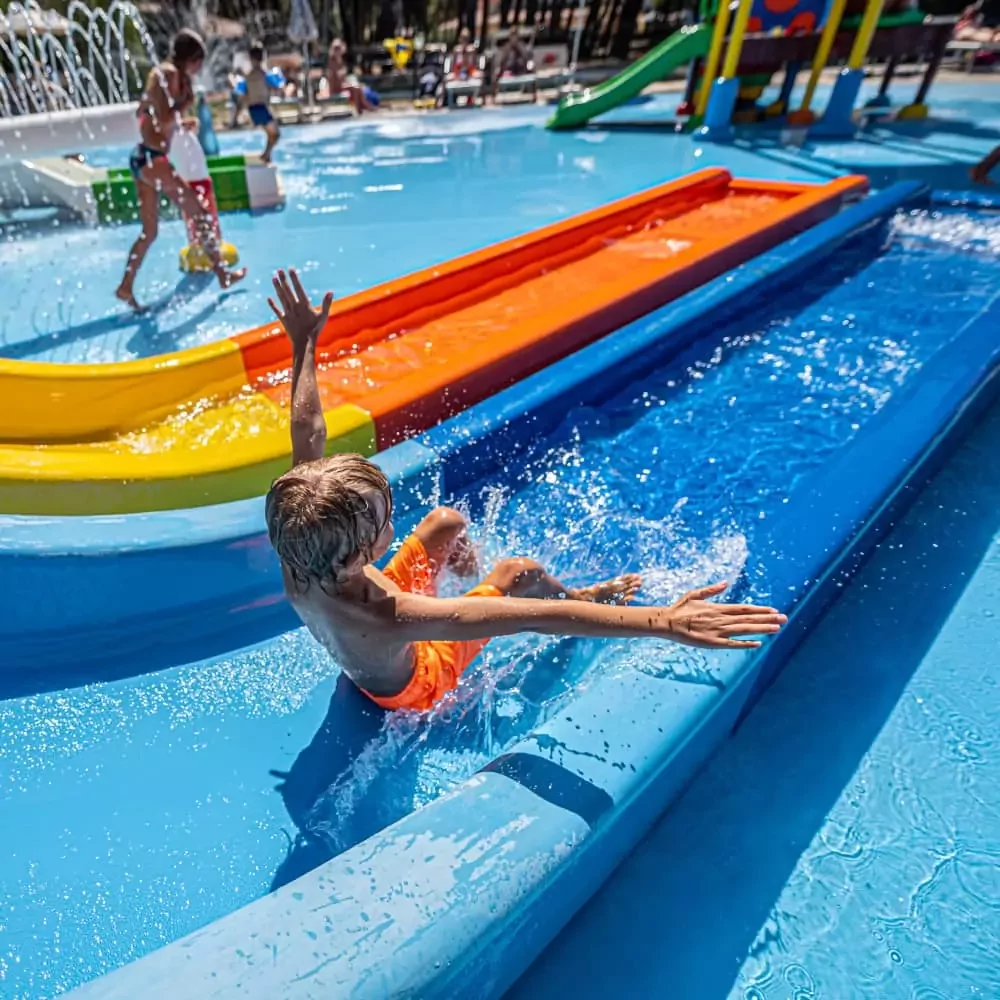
696, 621
301, 321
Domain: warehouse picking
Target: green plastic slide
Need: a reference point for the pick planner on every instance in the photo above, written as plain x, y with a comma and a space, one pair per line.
681, 47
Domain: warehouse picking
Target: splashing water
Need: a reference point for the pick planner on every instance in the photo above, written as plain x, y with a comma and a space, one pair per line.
964, 232
672, 477
82, 60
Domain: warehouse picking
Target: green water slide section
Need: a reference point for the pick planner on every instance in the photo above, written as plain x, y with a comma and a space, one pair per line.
680, 48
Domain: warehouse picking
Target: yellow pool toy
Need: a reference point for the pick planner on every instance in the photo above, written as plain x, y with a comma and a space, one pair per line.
400, 51
195, 260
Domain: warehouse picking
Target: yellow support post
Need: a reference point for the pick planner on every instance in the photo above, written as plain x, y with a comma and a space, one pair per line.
736, 40
863, 39
803, 115
712, 62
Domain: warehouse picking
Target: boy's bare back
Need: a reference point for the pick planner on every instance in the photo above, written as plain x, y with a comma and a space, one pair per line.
353, 629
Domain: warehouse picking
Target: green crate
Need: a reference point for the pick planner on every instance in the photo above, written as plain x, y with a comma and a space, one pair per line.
111, 206
102, 198
117, 203
116, 215
224, 162
231, 195
230, 184
232, 200
123, 193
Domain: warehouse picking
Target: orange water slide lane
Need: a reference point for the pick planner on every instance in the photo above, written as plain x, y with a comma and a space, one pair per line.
211, 424
418, 350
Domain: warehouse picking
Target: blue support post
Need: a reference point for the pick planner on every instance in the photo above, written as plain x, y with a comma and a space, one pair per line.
718, 125
837, 121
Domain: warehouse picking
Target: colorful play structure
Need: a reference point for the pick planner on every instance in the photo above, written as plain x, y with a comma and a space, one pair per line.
738, 48
210, 424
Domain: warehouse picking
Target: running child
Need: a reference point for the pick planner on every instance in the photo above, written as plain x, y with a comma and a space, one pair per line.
258, 99
330, 518
168, 95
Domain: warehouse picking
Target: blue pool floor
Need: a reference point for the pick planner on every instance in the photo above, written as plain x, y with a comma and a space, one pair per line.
842, 843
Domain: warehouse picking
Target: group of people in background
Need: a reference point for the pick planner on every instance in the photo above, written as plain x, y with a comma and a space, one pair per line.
165, 106
337, 81
512, 60
252, 91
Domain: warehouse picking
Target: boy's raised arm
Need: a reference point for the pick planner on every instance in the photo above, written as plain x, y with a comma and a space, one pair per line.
692, 621
303, 324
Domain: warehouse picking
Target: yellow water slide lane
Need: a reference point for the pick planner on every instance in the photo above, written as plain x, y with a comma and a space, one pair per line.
177, 430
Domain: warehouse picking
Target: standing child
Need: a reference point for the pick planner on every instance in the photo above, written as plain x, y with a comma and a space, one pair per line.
168, 95
330, 518
258, 99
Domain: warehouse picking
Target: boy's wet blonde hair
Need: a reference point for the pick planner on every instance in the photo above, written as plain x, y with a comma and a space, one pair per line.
320, 517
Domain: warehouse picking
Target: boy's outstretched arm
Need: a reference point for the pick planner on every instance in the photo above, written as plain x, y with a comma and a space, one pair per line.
303, 324
693, 620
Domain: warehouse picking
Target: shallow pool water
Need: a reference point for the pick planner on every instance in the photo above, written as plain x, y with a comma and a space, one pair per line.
366, 202
375, 199
152, 805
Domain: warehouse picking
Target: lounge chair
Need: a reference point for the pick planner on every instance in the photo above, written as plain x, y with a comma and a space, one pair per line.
468, 89
520, 83
971, 52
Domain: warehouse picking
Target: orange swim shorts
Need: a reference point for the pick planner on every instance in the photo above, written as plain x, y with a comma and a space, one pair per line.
437, 666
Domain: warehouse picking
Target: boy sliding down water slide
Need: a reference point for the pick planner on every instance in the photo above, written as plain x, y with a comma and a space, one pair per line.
330, 518
167, 96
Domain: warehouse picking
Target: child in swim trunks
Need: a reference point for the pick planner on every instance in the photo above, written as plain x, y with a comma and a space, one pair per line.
258, 100
330, 518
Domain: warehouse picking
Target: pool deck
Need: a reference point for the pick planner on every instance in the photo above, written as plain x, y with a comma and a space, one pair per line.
828, 850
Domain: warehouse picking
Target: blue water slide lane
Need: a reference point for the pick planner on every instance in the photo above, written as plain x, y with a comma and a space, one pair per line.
478, 441
86, 597
459, 897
